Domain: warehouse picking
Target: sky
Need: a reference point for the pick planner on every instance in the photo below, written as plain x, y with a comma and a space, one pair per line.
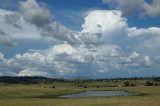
76, 39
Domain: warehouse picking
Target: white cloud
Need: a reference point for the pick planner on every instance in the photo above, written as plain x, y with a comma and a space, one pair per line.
30, 59
103, 21
146, 40
147, 60
31, 72
134, 55
65, 60
1, 56
105, 45
103, 26
61, 60
18, 28
152, 31
63, 48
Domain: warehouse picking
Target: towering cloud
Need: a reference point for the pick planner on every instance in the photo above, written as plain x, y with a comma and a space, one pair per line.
103, 21
103, 26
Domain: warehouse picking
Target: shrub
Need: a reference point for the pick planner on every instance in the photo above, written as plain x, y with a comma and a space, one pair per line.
126, 83
52, 87
85, 87
148, 83
133, 84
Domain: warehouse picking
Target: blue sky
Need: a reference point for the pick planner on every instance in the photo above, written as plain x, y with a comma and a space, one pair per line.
80, 38
76, 9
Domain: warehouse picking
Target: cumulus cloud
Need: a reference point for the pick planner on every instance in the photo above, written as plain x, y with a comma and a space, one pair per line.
94, 27
5, 39
1, 56
13, 20
152, 31
59, 32
102, 26
6, 69
146, 40
106, 44
34, 13
134, 55
100, 21
138, 7
153, 8
147, 60
128, 7
65, 60
31, 72
38, 14
18, 28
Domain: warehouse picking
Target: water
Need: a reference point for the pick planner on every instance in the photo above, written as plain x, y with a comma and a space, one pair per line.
99, 94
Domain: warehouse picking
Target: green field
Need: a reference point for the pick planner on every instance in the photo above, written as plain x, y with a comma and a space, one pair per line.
47, 95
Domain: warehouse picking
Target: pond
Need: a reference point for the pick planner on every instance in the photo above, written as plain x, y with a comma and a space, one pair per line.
99, 94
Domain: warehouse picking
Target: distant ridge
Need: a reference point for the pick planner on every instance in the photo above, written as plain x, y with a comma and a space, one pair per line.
45, 80
28, 80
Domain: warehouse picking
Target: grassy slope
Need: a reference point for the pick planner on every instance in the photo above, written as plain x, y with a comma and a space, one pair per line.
24, 95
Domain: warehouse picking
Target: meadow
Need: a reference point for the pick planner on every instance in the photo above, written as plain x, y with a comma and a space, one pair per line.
47, 94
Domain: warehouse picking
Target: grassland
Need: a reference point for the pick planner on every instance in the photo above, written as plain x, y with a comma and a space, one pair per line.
47, 95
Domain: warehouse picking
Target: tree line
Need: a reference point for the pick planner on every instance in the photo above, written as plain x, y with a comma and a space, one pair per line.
39, 79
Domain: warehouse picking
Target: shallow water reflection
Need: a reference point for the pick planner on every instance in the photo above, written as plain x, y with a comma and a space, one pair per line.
99, 94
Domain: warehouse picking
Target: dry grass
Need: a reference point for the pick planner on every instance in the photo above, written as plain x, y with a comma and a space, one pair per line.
24, 95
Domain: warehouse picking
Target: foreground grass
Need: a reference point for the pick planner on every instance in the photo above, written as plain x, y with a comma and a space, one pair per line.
45, 95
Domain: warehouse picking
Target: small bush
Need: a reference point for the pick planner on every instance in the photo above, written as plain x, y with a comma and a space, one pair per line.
126, 83
133, 84
52, 87
148, 83
98, 86
85, 87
